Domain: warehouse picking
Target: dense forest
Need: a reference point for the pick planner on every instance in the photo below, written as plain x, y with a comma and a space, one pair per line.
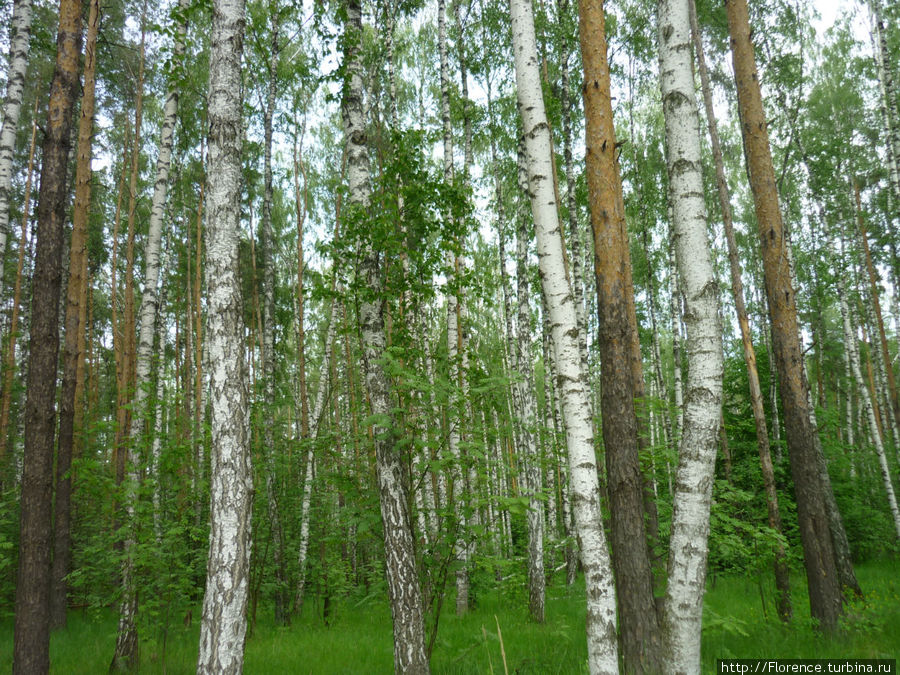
467, 331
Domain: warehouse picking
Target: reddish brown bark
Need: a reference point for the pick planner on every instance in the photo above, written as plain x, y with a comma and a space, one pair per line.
818, 553
31, 651
74, 326
639, 627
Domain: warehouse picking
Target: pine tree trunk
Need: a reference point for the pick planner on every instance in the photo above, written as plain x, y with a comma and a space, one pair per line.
639, 628
688, 546
31, 650
824, 589
19, 44
782, 572
224, 623
400, 564
601, 612
71, 356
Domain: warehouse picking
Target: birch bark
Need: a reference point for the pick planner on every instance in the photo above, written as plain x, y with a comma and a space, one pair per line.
224, 622
400, 564
782, 572
688, 546
19, 42
572, 384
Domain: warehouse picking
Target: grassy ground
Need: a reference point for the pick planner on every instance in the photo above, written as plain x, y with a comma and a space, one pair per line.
359, 637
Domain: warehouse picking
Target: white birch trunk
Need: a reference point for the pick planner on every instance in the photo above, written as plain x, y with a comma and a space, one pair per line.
306, 500
572, 384
19, 40
400, 564
156, 446
688, 547
866, 400
888, 99
527, 414
224, 621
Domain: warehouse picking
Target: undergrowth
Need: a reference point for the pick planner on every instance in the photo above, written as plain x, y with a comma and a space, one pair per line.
739, 622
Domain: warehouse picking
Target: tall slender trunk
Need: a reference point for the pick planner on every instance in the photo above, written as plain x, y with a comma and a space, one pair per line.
453, 333
638, 625
266, 246
850, 346
688, 546
224, 622
876, 305
9, 366
572, 382
31, 649
574, 240
888, 99
19, 44
400, 563
782, 573
73, 328
821, 572
528, 426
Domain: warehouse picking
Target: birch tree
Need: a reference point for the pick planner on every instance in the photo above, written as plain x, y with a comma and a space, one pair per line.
572, 383
782, 572
19, 44
224, 622
688, 546
400, 564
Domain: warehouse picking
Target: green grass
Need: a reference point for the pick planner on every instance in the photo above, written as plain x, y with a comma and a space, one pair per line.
358, 640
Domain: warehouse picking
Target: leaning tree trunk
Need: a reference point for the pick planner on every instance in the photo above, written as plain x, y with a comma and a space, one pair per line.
638, 626
400, 563
572, 382
850, 346
73, 326
31, 649
688, 546
821, 573
19, 42
782, 572
224, 622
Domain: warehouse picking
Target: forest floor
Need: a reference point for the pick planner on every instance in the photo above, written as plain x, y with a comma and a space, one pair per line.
358, 639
